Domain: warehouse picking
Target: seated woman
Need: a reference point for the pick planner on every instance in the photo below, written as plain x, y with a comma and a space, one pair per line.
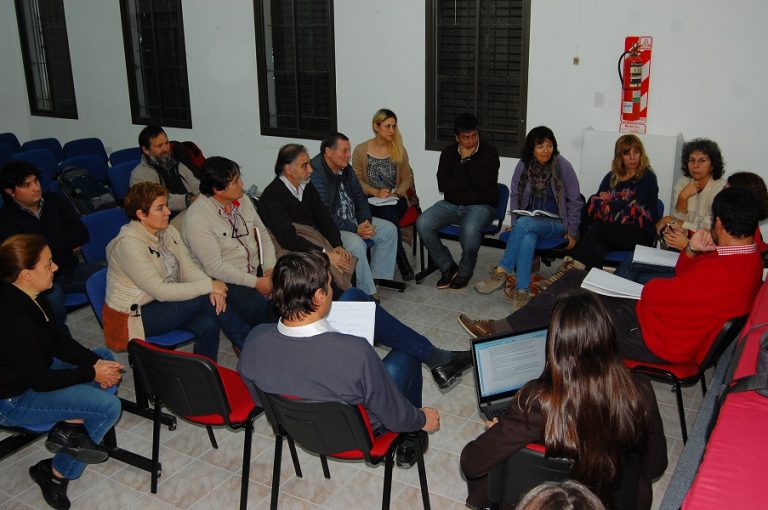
586, 406
46, 375
153, 279
381, 165
545, 181
703, 168
623, 211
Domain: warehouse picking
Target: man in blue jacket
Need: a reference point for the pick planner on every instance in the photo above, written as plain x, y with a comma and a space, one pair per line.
337, 184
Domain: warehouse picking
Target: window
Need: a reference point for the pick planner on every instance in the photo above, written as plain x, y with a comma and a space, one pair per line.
45, 51
477, 62
297, 81
153, 35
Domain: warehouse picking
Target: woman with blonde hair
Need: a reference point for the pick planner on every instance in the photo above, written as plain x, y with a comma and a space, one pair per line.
382, 167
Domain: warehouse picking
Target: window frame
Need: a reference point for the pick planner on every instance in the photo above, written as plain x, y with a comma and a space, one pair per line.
433, 141
65, 65
264, 101
132, 68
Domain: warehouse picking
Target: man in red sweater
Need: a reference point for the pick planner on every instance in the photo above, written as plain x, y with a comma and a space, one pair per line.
676, 319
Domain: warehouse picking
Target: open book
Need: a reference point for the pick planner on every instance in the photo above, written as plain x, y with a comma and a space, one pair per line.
537, 212
647, 256
609, 284
356, 318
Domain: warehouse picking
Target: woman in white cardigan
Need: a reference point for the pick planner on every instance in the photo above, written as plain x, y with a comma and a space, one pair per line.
152, 278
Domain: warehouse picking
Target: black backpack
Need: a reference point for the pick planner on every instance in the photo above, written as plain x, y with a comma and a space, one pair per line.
85, 192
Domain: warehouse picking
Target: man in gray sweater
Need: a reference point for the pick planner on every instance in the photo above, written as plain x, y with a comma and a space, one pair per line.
302, 355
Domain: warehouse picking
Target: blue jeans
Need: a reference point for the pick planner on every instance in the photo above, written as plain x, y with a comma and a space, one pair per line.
198, 316
405, 371
518, 254
97, 408
391, 332
383, 254
471, 220
393, 214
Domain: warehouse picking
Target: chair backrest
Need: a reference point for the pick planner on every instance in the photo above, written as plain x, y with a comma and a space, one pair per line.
523, 470
44, 161
50, 144
324, 428
186, 383
95, 166
727, 334
501, 205
10, 140
6, 151
120, 177
96, 290
103, 226
84, 147
123, 155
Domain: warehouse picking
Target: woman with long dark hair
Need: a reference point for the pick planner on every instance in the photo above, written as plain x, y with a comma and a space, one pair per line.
586, 406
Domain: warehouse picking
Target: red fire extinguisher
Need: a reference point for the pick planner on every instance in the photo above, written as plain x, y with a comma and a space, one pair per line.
631, 76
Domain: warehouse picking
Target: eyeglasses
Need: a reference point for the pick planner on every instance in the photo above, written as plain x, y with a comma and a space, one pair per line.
238, 220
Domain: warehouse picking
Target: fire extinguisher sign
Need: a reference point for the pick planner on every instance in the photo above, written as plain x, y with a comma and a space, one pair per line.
635, 76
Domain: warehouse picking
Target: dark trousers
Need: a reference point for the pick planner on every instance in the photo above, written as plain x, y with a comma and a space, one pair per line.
537, 313
602, 238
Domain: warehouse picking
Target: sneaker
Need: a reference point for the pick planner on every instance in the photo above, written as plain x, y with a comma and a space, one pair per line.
459, 282
496, 280
447, 276
521, 298
477, 328
566, 266
54, 489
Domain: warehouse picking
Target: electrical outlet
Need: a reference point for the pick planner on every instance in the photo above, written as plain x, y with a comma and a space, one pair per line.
576, 61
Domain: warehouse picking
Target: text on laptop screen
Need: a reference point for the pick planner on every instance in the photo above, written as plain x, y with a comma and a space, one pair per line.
508, 363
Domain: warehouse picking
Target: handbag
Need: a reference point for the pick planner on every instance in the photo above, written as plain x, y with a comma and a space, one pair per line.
115, 329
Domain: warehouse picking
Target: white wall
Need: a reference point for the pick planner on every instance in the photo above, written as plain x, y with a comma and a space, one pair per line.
707, 76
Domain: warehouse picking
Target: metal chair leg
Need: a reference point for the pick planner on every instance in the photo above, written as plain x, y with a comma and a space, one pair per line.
155, 449
681, 410
294, 457
276, 471
214, 444
324, 463
389, 463
422, 473
246, 471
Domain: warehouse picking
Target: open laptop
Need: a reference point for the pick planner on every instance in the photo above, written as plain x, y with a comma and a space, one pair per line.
503, 364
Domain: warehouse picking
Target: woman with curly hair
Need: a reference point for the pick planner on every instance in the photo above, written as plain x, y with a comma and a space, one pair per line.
382, 167
586, 406
703, 169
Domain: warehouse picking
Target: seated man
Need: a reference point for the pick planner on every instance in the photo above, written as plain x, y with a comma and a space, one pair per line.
304, 356
467, 176
229, 241
27, 210
337, 184
676, 319
157, 165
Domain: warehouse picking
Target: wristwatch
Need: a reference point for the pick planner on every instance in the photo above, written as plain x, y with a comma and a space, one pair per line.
690, 249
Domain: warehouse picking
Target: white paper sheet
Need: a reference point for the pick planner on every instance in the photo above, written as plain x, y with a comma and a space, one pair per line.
609, 284
354, 318
654, 256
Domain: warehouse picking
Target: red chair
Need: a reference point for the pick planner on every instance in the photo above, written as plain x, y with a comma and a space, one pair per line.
688, 373
409, 219
200, 391
334, 429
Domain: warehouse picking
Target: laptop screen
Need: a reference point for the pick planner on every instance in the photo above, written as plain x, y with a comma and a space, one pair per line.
503, 364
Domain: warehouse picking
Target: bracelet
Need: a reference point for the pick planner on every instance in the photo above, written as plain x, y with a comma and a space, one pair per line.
690, 248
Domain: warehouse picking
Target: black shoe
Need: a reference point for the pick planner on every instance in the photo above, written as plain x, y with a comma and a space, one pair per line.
460, 282
405, 456
406, 271
447, 276
446, 375
54, 488
73, 440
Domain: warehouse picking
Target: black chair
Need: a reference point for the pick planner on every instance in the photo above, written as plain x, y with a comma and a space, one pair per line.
522, 471
687, 374
333, 429
200, 391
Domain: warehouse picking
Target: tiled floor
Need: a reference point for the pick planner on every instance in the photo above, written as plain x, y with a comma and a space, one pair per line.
198, 477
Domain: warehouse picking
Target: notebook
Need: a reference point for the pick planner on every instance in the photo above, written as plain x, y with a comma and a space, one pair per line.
503, 364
